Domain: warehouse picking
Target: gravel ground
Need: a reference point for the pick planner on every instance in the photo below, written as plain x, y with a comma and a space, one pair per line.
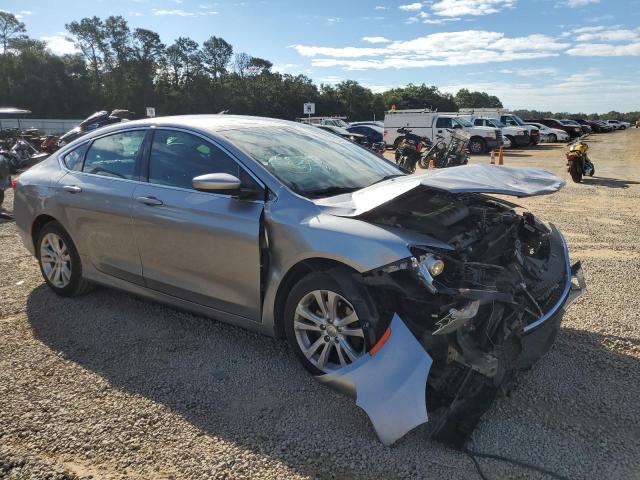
111, 386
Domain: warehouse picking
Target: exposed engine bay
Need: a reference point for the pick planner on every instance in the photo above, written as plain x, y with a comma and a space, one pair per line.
472, 307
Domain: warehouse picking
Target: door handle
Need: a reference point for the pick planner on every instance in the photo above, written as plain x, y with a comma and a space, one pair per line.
151, 201
72, 188
439, 131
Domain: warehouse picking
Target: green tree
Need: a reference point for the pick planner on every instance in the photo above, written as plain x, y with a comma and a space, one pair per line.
216, 55
10, 29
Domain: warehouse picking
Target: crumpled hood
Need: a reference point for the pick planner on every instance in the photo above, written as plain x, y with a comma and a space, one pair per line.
516, 181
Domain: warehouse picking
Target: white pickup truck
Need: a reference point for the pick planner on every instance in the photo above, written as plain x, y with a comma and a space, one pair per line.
518, 136
509, 119
434, 124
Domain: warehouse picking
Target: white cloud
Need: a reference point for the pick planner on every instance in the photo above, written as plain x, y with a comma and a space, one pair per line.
181, 13
59, 44
411, 7
381, 7
579, 3
458, 8
606, 35
604, 50
437, 49
530, 72
375, 39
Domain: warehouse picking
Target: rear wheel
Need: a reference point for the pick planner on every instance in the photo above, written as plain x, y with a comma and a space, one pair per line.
59, 261
575, 170
329, 324
553, 138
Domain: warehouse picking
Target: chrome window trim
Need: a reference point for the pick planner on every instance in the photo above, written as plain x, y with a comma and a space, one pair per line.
64, 152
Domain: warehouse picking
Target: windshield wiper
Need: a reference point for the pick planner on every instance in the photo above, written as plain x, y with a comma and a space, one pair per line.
388, 177
329, 191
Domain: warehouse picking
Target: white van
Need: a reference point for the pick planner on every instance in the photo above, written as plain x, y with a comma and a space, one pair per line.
434, 125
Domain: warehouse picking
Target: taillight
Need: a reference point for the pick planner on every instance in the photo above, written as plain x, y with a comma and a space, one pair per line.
14, 182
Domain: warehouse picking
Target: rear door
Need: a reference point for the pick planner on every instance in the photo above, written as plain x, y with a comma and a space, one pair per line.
198, 246
96, 197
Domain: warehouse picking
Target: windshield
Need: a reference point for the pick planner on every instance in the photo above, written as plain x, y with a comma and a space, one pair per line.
495, 123
462, 122
310, 161
336, 122
518, 120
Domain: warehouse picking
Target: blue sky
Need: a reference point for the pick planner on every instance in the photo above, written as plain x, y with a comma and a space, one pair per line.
574, 55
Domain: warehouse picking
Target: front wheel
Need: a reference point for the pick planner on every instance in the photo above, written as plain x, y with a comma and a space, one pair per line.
575, 170
329, 323
476, 146
553, 138
423, 162
59, 261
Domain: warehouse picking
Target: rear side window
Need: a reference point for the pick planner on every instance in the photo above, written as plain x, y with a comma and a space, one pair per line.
178, 157
115, 155
73, 159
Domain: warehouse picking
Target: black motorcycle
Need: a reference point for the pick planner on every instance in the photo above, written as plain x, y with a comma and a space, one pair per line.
97, 120
409, 152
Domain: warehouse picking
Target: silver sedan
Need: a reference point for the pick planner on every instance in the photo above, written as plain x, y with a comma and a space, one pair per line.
291, 231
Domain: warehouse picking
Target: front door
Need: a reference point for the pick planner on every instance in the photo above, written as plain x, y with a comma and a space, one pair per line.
199, 246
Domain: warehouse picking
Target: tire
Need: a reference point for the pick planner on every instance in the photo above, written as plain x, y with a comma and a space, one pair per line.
423, 162
593, 171
397, 142
553, 138
477, 146
69, 284
575, 170
351, 297
1, 197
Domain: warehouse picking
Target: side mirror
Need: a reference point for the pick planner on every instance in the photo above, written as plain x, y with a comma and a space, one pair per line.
215, 182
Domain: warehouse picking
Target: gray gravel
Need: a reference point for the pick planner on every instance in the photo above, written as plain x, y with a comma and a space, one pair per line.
111, 386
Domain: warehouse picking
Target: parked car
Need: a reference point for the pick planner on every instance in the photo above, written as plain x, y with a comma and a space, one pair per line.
507, 118
433, 125
344, 133
375, 123
287, 230
372, 133
618, 125
572, 131
517, 136
604, 126
553, 134
595, 127
585, 128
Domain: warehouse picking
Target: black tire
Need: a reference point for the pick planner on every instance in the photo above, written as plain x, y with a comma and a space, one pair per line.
1, 197
423, 162
593, 171
77, 285
575, 170
340, 281
397, 142
553, 138
513, 141
477, 146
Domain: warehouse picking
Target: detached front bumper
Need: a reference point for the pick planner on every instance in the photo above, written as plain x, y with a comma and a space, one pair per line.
492, 143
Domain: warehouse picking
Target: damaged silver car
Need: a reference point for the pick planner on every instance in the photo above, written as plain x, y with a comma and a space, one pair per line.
291, 231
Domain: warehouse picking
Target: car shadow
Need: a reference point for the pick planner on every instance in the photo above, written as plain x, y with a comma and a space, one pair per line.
609, 182
250, 390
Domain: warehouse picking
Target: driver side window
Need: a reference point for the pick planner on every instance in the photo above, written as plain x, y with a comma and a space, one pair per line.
177, 157
444, 123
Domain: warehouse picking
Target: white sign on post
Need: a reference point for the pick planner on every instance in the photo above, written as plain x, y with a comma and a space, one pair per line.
309, 108
151, 112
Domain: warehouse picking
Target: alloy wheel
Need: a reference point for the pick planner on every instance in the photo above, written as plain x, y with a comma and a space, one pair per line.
328, 330
55, 260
